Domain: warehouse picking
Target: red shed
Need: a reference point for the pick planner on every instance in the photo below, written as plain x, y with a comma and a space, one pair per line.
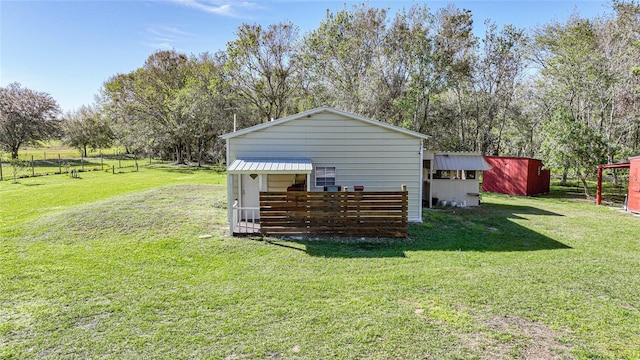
515, 176
633, 198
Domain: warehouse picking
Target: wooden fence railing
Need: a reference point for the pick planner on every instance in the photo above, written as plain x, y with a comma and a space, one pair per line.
343, 214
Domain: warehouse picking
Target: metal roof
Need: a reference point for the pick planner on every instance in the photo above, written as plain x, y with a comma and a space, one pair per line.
460, 162
270, 166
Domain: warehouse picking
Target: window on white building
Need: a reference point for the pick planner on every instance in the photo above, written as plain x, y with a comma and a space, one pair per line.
325, 175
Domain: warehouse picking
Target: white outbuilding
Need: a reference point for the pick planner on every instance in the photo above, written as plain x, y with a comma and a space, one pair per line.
323, 149
452, 178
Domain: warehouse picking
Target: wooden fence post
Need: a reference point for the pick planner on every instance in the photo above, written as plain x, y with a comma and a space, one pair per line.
1, 168
113, 169
33, 170
101, 161
119, 161
82, 161
59, 164
405, 205
135, 158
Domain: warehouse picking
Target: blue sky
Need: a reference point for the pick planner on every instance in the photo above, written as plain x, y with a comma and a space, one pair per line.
70, 48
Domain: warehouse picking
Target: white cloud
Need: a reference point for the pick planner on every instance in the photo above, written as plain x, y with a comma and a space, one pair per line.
219, 7
166, 37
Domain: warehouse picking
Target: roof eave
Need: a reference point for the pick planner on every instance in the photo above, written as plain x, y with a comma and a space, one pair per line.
317, 111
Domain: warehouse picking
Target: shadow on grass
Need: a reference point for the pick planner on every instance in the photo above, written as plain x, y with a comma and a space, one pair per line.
573, 190
183, 169
54, 164
12, 182
489, 228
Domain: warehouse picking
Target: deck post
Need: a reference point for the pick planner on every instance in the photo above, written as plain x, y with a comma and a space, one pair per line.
599, 187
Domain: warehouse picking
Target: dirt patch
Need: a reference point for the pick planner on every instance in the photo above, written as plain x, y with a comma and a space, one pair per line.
236, 357
513, 337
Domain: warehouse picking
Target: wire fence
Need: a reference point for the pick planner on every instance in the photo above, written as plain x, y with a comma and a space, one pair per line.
57, 164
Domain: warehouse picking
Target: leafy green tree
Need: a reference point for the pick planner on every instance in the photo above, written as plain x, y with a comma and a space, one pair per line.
619, 40
456, 52
344, 57
586, 70
405, 78
263, 67
26, 117
144, 102
569, 141
496, 77
173, 104
86, 128
575, 78
208, 104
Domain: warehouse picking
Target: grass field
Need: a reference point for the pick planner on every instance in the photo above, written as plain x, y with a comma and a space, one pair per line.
116, 266
54, 159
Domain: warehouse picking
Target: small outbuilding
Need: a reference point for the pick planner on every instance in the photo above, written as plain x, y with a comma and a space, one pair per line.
516, 176
321, 151
452, 178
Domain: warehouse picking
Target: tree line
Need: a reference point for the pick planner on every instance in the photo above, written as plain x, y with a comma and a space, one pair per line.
567, 92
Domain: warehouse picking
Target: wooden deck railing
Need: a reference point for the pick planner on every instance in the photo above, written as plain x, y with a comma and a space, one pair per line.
343, 214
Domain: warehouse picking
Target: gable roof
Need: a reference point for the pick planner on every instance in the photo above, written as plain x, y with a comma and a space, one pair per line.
318, 111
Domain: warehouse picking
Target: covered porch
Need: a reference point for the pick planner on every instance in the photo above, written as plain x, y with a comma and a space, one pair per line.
247, 177
452, 179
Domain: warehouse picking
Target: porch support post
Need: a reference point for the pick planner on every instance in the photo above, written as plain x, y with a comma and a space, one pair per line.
239, 177
308, 181
230, 210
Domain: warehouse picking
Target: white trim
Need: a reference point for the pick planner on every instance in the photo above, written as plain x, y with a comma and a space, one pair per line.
239, 176
230, 202
315, 175
229, 195
317, 111
420, 174
270, 166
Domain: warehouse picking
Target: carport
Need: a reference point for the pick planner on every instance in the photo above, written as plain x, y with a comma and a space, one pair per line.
607, 166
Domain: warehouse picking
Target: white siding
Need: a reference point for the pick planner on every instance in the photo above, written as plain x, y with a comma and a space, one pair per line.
363, 154
235, 194
456, 190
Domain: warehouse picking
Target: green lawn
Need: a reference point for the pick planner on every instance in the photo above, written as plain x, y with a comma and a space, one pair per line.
115, 266
52, 159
